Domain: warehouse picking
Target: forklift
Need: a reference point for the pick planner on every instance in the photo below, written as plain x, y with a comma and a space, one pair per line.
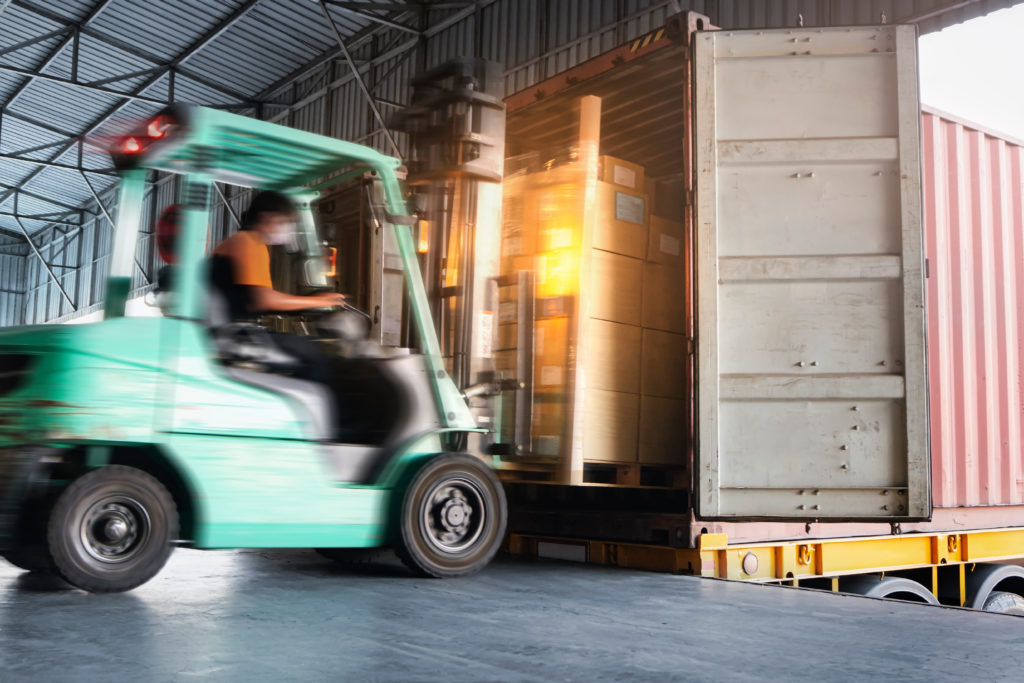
123, 438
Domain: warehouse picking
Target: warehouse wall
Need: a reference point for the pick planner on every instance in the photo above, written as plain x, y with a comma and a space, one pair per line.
533, 39
12, 297
549, 37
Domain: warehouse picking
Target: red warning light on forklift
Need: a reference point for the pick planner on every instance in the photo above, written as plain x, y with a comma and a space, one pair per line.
157, 128
131, 146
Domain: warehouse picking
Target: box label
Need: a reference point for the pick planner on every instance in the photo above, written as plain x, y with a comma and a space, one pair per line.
507, 312
629, 208
668, 245
624, 176
551, 375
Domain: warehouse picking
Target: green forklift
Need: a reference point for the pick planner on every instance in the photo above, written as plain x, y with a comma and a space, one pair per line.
123, 438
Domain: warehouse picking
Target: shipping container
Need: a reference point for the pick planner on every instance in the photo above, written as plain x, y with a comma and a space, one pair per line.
857, 188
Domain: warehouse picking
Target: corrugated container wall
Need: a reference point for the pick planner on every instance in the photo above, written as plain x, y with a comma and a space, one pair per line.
974, 203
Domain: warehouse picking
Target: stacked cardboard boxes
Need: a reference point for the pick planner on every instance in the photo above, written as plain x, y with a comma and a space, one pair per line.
664, 388
615, 347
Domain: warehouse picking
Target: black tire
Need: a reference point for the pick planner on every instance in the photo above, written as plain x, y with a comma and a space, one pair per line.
453, 517
29, 549
111, 529
30, 558
1005, 603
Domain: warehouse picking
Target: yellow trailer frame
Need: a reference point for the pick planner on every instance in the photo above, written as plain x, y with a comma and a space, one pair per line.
789, 562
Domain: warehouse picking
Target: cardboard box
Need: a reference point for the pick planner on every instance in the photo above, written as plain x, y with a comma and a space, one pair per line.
665, 243
616, 283
610, 425
663, 431
612, 360
505, 361
669, 199
518, 220
549, 413
621, 222
663, 361
664, 300
507, 337
622, 173
551, 354
559, 215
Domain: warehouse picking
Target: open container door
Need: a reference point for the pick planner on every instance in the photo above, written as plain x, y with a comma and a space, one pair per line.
811, 389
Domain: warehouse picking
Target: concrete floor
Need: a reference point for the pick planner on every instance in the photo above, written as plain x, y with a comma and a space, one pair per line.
290, 615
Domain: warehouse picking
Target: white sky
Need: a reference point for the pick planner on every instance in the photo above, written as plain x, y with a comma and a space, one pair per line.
976, 70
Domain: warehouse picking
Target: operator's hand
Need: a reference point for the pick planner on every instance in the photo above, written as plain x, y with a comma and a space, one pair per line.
329, 299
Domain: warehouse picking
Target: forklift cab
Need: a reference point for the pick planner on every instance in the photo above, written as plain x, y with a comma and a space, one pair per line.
191, 428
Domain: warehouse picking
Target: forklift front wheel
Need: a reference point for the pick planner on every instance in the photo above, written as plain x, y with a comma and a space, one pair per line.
453, 517
111, 529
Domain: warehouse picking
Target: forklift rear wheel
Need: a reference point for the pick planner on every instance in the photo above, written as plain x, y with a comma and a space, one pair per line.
453, 517
111, 529
33, 558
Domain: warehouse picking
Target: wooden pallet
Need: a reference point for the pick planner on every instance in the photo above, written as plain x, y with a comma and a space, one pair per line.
595, 473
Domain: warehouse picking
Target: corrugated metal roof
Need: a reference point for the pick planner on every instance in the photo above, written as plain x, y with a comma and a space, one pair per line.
225, 52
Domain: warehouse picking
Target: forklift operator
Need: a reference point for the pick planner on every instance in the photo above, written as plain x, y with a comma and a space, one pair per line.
241, 263
241, 272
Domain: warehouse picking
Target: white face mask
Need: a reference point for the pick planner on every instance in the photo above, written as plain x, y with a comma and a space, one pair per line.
277, 238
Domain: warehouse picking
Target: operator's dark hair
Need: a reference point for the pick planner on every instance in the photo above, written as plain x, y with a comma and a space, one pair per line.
267, 201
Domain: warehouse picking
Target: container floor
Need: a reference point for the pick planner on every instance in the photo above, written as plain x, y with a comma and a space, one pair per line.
290, 615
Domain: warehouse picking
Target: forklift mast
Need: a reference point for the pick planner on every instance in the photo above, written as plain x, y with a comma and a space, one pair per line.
456, 127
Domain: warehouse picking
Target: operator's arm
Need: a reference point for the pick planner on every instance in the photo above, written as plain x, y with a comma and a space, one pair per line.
269, 299
252, 271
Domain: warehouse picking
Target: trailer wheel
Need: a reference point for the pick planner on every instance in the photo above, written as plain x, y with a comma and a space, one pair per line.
1005, 603
111, 529
892, 587
453, 517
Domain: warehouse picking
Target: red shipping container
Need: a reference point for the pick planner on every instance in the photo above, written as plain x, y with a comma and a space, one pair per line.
975, 244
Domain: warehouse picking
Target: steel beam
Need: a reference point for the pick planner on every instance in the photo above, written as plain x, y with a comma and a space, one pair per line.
35, 75
124, 77
47, 267
395, 6
396, 51
56, 52
9, 191
36, 217
359, 79
227, 205
309, 67
129, 48
7, 232
16, 156
32, 41
38, 124
348, 8
204, 40
113, 225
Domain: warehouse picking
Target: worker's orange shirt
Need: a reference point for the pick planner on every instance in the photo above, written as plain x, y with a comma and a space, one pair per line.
250, 257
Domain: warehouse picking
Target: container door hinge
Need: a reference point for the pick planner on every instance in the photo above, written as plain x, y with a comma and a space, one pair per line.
691, 346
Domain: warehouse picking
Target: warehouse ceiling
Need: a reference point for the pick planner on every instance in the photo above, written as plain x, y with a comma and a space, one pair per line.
75, 72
